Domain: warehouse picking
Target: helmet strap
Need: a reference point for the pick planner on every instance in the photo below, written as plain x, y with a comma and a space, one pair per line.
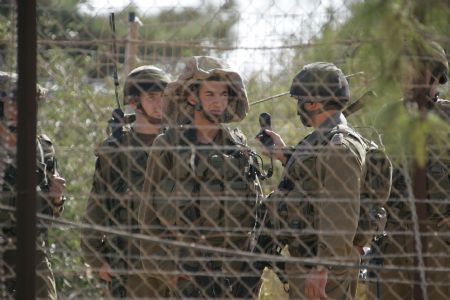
307, 115
198, 106
150, 119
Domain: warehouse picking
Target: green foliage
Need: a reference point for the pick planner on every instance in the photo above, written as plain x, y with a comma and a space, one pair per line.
186, 29
374, 39
74, 116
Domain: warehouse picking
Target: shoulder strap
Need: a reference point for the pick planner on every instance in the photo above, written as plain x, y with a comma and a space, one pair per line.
237, 136
345, 129
125, 155
48, 150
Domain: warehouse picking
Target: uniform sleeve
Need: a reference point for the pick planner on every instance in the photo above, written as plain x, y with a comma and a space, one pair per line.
158, 165
92, 241
51, 168
337, 210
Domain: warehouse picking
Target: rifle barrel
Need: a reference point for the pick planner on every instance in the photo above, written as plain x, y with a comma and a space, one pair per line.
112, 24
269, 98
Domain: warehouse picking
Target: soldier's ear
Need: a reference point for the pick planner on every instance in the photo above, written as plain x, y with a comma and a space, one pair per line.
310, 106
191, 99
133, 101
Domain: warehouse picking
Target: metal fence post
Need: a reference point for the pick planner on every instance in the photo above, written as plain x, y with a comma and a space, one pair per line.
26, 150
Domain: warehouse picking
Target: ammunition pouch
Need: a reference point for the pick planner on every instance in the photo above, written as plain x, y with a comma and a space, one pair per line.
371, 223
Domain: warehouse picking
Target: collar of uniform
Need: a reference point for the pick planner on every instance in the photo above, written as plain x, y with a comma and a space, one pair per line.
335, 119
144, 139
319, 134
224, 135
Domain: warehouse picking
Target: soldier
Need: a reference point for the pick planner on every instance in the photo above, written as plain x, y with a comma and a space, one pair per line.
118, 180
201, 188
50, 198
317, 203
428, 68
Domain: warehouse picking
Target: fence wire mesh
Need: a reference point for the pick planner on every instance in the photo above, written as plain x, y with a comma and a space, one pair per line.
193, 207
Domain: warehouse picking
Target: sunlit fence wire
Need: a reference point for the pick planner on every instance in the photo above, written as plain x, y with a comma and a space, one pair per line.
178, 218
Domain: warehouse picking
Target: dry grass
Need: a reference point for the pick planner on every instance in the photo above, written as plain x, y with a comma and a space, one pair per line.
272, 288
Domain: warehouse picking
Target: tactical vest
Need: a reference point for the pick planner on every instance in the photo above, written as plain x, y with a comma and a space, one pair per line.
124, 170
438, 186
375, 189
122, 167
438, 178
305, 183
124, 173
438, 191
208, 191
44, 155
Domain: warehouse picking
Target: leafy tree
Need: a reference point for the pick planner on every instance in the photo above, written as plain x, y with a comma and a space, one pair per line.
374, 40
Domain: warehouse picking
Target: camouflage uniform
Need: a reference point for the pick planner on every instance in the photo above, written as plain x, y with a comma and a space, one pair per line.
46, 164
114, 199
399, 248
114, 203
317, 203
199, 194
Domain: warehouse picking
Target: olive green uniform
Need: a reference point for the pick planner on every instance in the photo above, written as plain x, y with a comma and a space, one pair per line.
114, 203
45, 282
199, 194
319, 209
399, 248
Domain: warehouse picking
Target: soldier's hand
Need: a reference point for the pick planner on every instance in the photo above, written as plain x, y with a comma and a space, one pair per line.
276, 152
105, 272
57, 186
315, 284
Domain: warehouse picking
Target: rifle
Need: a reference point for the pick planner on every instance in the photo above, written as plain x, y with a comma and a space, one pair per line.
260, 243
355, 106
375, 257
359, 103
115, 126
118, 119
352, 108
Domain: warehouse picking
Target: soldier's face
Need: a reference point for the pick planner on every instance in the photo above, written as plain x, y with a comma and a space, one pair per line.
151, 103
434, 85
303, 108
213, 96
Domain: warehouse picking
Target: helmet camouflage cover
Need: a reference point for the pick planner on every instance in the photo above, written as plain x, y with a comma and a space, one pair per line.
146, 78
176, 108
321, 82
8, 86
436, 58
427, 55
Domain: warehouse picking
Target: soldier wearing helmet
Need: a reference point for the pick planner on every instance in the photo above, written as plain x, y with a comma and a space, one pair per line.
427, 70
315, 210
50, 194
143, 90
117, 182
200, 188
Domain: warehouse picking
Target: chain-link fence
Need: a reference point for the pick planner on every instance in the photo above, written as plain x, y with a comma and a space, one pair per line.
168, 194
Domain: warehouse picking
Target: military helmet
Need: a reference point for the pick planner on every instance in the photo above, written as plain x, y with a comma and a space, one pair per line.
144, 79
321, 82
8, 89
421, 56
434, 56
176, 107
8, 86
